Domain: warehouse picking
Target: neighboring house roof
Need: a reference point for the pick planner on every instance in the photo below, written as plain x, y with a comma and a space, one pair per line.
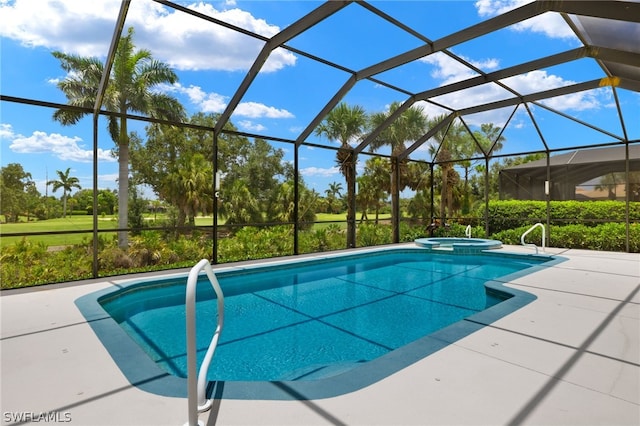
580, 165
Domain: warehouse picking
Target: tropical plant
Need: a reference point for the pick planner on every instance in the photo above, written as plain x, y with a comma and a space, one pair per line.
333, 192
373, 185
285, 207
238, 205
442, 155
67, 183
409, 126
486, 142
132, 87
194, 186
346, 124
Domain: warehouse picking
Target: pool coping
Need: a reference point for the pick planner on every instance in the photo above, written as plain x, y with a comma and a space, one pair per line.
145, 374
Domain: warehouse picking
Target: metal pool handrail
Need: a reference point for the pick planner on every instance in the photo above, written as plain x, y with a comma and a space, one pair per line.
467, 231
197, 389
531, 229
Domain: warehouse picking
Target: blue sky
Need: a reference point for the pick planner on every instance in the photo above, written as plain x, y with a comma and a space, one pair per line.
291, 89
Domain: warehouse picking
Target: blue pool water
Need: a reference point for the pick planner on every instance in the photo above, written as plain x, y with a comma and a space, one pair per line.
316, 319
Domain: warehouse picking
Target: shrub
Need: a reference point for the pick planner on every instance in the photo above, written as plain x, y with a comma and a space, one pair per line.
373, 235
606, 236
27, 264
256, 243
331, 237
409, 233
511, 214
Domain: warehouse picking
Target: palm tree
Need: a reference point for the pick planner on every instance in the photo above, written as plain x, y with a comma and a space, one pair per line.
285, 206
409, 126
238, 205
334, 189
373, 185
194, 187
451, 141
67, 183
134, 76
333, 192
490, 141
346, 124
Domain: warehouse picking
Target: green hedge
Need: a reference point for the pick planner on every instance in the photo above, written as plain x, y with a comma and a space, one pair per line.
605, 236
26, 263
511, 214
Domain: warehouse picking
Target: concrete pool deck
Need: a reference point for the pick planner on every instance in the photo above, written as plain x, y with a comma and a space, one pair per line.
571, 357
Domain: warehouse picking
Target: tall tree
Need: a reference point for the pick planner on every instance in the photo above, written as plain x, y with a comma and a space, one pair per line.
14, 182
409, 126
192, 183
373, 186
346, 124
487, 141
284, 207
454, 142
177, 163
492, 139
333, 192
67, 183
238, 205
132, 87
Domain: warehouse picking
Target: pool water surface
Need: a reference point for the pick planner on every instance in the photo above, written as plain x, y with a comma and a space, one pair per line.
314, 320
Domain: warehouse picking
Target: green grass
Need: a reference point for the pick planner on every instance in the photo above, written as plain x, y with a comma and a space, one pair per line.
328, 217
70, 223
85, 223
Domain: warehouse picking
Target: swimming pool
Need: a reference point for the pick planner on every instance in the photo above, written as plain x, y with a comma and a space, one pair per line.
322, 323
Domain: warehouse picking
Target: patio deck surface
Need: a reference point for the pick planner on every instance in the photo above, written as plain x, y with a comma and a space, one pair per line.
571, 357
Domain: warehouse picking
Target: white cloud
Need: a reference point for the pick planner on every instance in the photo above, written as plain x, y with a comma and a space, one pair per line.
449, 71
64, 147
540, 80
256, 110
319, 171
185, 42
215, 102
489, 8
550, 24
6, 131
206, 102
251, 126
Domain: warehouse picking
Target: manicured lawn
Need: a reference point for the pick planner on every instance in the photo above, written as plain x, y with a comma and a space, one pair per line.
85, 223
70, 223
